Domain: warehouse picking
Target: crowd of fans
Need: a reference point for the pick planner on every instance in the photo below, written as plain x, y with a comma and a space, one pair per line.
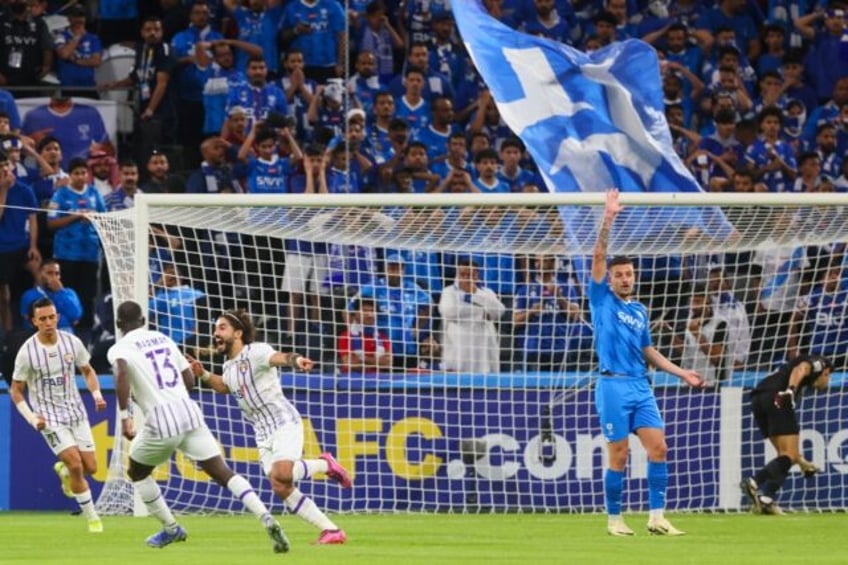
294, 96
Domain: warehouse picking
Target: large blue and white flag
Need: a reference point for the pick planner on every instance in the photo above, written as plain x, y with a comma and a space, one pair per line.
590, 121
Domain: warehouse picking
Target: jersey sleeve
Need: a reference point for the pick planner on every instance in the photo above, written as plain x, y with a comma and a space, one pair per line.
182, 362
81, 354
116, 352
260, 355
23, 369
598, 292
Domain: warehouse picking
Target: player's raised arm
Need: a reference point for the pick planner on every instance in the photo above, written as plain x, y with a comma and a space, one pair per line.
612, 208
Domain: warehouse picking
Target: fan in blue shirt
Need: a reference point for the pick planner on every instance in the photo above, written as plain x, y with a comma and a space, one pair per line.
267, 173
78, 51
257, 96
316, 29
75, 238
623, 395
772, 158
487, 181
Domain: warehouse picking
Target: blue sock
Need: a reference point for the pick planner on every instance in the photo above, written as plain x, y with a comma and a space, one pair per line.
657, 484
613, 481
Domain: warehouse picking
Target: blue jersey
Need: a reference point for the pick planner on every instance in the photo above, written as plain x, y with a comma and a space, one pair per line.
443, 168
397, 312
419, 17
827, 322
621, 331
520, 179
349, 267
14, 224
365, 90
257, 102
217, 83
449, 60
251, 29
326, 20
268, 177
547, 331
298, 106
417, 117
78, 240
76, 130
190, 87
345, 182
436, 142
172, 312
70, 73
497, 187
119, 200
758, 155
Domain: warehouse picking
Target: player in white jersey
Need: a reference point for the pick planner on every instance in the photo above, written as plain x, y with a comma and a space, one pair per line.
251, 376
148, 364
45, 366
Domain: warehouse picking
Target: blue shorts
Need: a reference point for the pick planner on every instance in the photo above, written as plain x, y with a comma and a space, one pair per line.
625, 405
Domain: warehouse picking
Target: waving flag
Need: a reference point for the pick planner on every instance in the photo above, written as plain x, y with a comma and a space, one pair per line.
590, 121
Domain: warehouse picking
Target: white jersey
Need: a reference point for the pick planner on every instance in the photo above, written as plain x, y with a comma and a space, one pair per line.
154, 369
256, 386
48, 371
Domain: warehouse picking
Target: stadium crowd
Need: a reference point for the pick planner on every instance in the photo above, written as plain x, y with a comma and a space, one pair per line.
293, 96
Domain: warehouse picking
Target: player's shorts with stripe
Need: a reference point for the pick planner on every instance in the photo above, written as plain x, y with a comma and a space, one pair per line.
285, 444
61, 438
624, 405
771, 420
198, 444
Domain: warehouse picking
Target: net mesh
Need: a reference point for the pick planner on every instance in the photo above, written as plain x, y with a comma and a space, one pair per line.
439, 394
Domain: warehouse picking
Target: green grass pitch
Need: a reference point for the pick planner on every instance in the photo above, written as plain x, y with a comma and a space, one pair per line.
404, 539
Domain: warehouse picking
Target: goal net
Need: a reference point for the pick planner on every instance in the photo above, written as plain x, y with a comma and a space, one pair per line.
453, 340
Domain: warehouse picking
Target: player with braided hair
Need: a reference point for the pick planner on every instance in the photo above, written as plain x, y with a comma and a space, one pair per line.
250, 374
773, 403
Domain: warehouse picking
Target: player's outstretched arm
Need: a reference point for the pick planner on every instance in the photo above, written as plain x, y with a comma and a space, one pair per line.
213, 381
291, 360
612, 208
658, 360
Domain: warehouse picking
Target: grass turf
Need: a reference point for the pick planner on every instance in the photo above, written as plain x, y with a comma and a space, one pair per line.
405, 539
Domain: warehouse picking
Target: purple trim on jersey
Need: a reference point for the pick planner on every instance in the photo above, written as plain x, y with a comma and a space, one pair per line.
245, 493
158, 496
192, 414
174, 419
305, 469
47, 390
299, 504
70, 382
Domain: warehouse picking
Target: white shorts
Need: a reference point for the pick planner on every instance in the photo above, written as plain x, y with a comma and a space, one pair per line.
198, 444
285, 445
304, 272
60, 439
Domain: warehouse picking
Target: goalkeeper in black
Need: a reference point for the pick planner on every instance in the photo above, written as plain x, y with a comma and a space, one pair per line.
773, 403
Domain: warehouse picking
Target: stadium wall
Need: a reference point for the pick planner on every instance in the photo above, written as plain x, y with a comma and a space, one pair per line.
443, 442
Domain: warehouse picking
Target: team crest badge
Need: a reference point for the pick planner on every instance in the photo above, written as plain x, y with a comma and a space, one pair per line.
242, 366
68, 357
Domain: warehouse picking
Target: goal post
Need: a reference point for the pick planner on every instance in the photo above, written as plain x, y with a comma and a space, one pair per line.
440, 396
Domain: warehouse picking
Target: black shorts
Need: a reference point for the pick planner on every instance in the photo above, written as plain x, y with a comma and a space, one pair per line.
13, 263
771, 420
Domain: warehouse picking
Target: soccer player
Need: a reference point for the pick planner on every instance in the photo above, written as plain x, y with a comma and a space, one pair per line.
250, 375
45, 365
773, 403
623, 395
149, 364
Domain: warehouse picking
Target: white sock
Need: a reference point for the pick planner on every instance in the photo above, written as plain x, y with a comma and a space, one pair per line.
306, 468
152, 498
614, 519
304, 507
86, 504
242, 490
656, 515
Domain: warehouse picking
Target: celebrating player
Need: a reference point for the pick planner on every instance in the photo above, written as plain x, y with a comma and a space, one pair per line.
773, 403
149, 363
623, 395
250, 374
45, 364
